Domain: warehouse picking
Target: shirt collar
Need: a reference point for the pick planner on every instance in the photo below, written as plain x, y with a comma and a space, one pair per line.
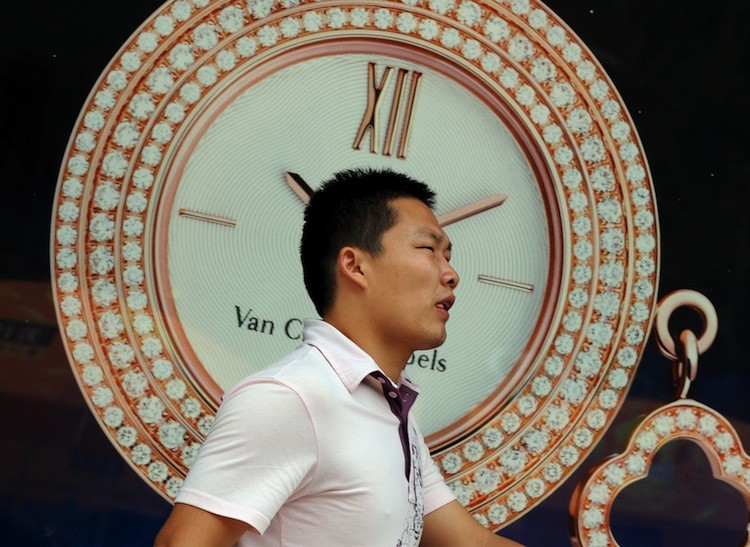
350, 362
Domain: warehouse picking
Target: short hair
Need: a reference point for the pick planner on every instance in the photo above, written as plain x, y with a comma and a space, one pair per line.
352, 208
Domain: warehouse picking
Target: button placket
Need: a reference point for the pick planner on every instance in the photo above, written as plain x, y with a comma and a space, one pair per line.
396, 403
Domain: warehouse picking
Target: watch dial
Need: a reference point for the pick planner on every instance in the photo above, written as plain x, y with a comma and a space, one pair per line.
237, 289
174, 244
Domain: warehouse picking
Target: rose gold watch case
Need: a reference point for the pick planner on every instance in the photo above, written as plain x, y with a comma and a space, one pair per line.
121, 333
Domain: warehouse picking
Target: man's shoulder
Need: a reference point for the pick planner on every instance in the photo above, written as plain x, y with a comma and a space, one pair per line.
301, 371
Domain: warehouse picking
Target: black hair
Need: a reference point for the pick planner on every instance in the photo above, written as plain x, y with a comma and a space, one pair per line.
350, 209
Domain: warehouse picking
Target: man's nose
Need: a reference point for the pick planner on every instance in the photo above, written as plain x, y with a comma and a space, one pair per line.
450, 277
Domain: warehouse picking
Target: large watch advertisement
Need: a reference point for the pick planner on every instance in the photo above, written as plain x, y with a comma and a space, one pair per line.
176, 226
587, 160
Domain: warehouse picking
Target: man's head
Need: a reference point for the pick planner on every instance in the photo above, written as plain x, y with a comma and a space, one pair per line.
354, 208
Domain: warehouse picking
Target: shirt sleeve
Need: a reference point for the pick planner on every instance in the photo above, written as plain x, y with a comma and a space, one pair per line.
260, 451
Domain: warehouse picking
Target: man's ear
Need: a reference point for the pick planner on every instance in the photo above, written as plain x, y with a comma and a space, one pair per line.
349, 266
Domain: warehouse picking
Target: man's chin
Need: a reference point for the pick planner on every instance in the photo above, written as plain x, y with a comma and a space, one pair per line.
433, 343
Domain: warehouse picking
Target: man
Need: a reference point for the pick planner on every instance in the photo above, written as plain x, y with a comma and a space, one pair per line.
320, 449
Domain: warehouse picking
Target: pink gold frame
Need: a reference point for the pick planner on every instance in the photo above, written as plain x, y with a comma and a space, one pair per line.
113, 318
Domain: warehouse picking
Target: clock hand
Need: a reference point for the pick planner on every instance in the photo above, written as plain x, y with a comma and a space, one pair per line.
299, 186
303, 191
471, 209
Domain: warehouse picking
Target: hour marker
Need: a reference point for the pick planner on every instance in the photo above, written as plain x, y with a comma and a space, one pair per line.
404, 141
208, 218
371, 117
525, 287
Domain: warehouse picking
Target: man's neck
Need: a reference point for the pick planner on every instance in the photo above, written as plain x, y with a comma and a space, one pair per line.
391, 360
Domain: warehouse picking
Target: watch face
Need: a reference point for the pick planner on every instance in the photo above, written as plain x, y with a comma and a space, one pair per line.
236, 288
177, 223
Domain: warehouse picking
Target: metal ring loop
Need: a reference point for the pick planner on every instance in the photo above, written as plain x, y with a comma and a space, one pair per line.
678, 299
685, 369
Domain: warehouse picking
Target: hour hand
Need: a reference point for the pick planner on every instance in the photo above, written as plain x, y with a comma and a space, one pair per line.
471, 209
299, 186
303, 191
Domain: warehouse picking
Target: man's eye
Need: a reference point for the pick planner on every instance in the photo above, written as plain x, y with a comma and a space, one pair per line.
427, 247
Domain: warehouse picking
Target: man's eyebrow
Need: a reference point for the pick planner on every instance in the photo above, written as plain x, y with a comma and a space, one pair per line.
438, 237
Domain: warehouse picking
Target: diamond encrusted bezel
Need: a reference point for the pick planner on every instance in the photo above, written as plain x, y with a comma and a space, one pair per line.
157, 85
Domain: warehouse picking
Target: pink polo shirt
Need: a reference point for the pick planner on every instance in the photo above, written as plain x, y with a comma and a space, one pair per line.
307, 452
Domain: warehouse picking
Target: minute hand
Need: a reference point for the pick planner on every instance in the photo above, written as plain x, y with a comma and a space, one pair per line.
471, 209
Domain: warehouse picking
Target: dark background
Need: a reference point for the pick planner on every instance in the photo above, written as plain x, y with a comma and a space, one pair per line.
682, 69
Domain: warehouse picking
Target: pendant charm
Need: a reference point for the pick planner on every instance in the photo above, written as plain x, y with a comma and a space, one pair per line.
592, 501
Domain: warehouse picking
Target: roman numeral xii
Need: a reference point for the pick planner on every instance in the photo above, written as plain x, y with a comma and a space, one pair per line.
376, 93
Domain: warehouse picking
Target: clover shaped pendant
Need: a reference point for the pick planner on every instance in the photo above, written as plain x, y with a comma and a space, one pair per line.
593, 499
683, 419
